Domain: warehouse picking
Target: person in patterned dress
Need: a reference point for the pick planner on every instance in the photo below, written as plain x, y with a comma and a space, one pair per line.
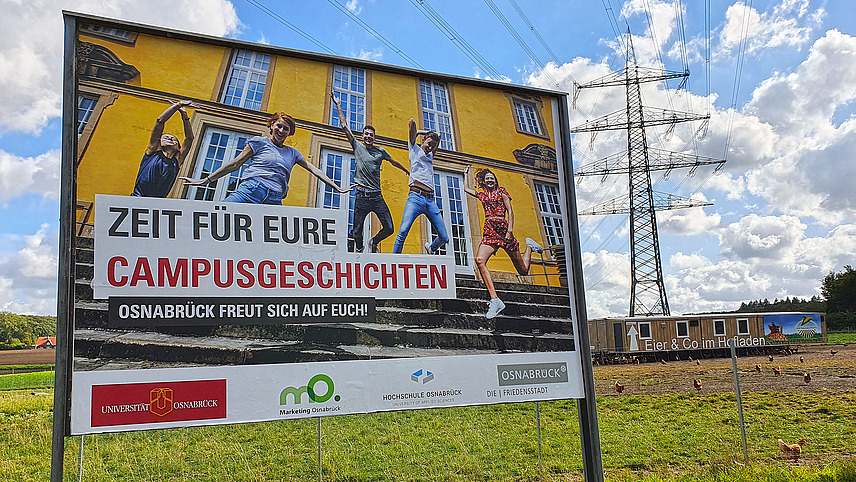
498, 233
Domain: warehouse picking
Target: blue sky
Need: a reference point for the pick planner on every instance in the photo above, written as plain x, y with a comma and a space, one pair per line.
783, 213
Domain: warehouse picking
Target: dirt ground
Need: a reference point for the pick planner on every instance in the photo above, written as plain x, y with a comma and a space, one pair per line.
42, 356
832, 372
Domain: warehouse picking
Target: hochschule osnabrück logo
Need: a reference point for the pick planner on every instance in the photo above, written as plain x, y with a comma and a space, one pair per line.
422, 375
311, 390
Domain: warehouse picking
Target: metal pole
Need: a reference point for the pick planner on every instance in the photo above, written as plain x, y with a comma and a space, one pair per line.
739, 401
80, 461
65, 275
538, 421
320, 476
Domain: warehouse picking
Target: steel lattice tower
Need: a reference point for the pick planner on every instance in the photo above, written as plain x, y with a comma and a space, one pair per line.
648, 293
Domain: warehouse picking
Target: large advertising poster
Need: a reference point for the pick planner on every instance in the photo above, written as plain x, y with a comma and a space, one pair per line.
265, 234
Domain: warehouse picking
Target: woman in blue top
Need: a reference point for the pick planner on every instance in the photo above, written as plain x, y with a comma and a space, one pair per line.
265, 180
164, 155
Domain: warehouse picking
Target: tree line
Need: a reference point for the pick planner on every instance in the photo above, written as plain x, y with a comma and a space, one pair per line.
17, 331
838, 301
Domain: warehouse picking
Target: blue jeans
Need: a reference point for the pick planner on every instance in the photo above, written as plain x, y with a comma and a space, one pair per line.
365, 203
252, 191
418, 204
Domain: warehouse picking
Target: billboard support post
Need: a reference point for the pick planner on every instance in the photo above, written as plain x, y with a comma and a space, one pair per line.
587, 406
65, 284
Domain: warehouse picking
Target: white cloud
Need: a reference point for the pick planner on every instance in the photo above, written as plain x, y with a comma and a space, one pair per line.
354, 6
28, 277
31, 60
788, 24
375, 55
38, 174
769, 237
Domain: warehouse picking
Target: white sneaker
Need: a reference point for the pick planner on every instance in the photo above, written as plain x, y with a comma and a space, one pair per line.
428, 248
535, 246
493, 308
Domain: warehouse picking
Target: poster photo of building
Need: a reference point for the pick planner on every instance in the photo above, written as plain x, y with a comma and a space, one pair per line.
218, 276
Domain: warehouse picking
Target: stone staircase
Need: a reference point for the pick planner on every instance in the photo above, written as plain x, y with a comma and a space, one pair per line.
536, 318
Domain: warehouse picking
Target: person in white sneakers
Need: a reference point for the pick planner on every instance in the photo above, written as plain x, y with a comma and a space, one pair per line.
498, 233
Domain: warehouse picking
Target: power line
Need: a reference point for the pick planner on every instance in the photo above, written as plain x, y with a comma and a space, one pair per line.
535, 32
738, 73
456, 38
290, 25
375, 33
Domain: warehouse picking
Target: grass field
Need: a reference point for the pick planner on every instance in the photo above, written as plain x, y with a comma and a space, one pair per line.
27, 380
667, 437
840, 338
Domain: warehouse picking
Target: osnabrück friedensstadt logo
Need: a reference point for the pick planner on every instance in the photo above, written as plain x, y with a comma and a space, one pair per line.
532, 373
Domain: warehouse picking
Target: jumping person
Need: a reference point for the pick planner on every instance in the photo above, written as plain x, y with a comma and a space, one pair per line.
421, 197
265, 181
369, 198
498, 233
164, 155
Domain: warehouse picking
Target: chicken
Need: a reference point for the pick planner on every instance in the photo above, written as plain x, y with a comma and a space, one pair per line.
663, 361
636, 360
697, 362
806, 378
802, 360
619, 387
791, 451
771, 358
691, 358
777, 370
697, 384
833, 352
758, 368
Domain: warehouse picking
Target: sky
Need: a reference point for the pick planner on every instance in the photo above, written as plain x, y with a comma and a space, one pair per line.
776, 77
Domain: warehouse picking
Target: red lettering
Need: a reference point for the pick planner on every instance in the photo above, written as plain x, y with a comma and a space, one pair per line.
420, 276
165, 272
286, 272
267, 280
388, 276
244, 267
369, 283
406, 269
230, 275
320, 277
304, 268
343, 274
142, 272
201, 267
438, 278
111, 271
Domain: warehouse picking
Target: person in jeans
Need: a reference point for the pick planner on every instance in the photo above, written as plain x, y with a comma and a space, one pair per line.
265, 180
421, 197
498, 233
164, 155
368, 196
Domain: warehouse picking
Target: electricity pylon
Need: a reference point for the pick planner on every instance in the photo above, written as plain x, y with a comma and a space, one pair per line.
648, 293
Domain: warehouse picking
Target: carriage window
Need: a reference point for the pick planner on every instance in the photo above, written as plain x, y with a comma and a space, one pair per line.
645, 330
719, 327
682, 328
742, 326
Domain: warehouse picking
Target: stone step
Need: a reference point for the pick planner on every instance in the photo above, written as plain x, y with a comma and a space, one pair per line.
105, 349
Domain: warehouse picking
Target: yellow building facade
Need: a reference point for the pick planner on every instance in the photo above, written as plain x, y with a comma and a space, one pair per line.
127, 77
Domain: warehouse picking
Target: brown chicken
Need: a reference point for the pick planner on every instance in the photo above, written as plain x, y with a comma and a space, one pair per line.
697, 384
771, 357
663, 361
833, 352
619, 387
697, 362
758, 368
806, 378
791, 451
802, 360
777, 370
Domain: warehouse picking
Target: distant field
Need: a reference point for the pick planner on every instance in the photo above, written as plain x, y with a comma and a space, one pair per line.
39, 356
840, 338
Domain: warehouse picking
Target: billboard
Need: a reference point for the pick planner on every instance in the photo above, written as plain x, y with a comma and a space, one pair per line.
268, 234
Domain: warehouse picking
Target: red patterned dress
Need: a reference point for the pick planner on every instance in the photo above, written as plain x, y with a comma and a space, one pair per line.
495, 224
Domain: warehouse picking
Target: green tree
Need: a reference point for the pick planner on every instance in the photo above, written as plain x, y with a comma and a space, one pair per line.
839, 290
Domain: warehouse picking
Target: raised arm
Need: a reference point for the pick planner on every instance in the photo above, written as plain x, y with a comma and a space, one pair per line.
342, 121
467, 187
411, 126
188, 134
398, 165
320, 175
157, 131
224, 170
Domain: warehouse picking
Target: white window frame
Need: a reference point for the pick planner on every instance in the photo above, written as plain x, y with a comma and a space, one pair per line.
328, 198
527, 118
641, 336
86, 111
742, 332
210, 157
717, 332
349, 86
460, 239
246, 80
108, 31
686, 325
550, 207
437, 112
